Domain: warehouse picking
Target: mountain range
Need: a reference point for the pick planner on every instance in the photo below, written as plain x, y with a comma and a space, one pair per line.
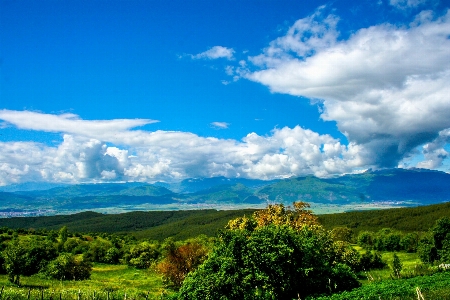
390, 187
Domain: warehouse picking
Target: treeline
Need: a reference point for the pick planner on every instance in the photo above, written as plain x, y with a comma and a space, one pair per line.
407, 219
181, 225
155, 225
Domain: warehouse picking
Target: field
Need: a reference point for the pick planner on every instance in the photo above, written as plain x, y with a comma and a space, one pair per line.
107, 282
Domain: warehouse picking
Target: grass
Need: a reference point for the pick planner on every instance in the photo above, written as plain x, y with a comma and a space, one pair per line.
112, 280
412, 266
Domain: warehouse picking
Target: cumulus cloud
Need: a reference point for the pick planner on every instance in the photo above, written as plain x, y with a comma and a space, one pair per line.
385, 86
138, 155
220, 125
434, 152
215, 53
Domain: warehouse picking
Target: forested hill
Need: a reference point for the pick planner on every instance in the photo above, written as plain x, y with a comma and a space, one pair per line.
407, 219
154, 224
159, 225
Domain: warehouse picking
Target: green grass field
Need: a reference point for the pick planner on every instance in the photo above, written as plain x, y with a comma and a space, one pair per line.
107, 281
411, 264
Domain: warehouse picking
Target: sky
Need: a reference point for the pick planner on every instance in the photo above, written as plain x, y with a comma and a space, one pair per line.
152, 90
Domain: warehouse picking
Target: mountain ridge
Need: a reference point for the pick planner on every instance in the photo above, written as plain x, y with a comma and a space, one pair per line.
394, 187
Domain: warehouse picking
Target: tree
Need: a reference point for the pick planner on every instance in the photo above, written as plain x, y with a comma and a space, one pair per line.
436, 245
426, 250
179, 261
440, 231
365, 239
38, 253
277, 214
14, 256
397, 265
98, 250
63, 234
143, 255
270, 262
27, 257
409, 242
67, 267
343, 234
370, 261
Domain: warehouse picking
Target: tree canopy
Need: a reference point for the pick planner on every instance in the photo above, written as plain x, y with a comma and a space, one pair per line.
278, 253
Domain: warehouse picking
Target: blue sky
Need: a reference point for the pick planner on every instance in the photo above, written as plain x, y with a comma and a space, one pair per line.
94, 91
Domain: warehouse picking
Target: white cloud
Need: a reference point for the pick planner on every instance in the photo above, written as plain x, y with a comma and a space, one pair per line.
434, 152
220, 125
385, 86
69, 123
138, 155
215, 53
404, 4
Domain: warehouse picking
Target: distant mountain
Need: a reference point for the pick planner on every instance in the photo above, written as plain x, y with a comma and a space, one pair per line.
194, 185
237, 193
101, 189
30, 186
400, 186
416, 185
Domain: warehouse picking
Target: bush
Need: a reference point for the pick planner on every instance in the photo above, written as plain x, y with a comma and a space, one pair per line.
179, 261
143, 255
67, 267
370, 261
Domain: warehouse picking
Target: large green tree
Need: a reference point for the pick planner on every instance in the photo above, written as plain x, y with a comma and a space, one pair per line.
270, 262
27, 256
14, 261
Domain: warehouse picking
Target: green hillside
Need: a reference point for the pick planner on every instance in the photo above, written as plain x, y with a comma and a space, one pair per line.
190, 223
405, 219
152, 224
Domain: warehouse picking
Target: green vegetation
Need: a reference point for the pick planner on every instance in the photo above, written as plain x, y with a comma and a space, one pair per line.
409, 219
153, 225
276, 253
432, 287
114, 281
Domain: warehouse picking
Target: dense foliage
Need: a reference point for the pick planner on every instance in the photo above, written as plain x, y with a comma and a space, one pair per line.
278, 253
272, 262
430, 287
181, 260
409, 219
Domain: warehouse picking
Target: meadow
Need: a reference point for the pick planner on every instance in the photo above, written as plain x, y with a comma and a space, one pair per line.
107, 282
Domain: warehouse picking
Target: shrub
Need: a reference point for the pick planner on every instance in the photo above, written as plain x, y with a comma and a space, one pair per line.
179, 261
143, 255
67, 267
